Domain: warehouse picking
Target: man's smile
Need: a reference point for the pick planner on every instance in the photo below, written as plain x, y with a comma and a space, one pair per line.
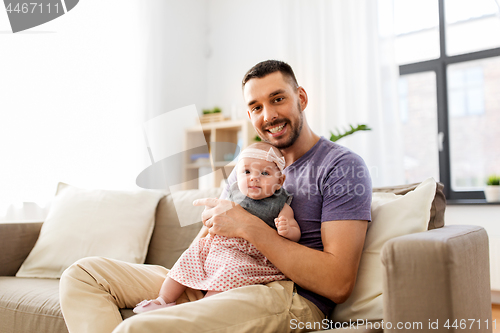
277, 130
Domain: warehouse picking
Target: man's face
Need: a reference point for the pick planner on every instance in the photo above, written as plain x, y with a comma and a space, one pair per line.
274, 107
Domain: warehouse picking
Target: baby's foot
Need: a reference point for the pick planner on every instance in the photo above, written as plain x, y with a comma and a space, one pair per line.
153, 304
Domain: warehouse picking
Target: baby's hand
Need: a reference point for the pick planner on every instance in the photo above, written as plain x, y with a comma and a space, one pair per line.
282, 225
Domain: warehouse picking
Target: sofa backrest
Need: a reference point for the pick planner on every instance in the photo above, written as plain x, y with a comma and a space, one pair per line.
170, 239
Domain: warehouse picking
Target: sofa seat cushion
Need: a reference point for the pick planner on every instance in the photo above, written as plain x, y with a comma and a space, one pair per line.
30, 305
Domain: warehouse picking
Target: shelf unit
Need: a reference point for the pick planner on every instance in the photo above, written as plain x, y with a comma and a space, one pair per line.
228, 131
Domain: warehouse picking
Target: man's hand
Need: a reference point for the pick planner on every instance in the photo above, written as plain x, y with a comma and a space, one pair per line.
222, 217
213, 206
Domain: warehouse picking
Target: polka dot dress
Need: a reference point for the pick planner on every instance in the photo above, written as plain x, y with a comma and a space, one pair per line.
219, 263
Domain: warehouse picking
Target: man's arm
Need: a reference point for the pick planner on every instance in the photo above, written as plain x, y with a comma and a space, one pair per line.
330, 273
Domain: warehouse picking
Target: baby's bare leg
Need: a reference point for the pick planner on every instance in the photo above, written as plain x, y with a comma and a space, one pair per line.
170, 290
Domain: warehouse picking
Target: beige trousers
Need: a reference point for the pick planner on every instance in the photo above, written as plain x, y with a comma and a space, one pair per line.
93, 289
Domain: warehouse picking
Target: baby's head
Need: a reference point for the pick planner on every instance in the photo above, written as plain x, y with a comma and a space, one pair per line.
259, 170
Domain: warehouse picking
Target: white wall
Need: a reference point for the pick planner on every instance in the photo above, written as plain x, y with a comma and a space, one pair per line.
69, 96
177, 47
176, 63
487, 216
75, 91
241, 34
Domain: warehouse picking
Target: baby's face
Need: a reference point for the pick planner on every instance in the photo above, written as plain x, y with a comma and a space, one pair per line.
258, 179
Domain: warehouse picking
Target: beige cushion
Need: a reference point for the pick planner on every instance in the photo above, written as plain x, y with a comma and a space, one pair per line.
392, 216
83, 223
438, 205
169, 239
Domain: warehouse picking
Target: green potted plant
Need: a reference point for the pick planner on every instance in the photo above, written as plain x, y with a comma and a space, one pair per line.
210, 115
492, 190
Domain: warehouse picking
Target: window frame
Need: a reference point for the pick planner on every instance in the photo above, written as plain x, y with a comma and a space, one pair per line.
439, 67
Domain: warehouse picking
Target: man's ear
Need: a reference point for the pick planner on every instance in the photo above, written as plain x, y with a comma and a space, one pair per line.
304, 100
248, 114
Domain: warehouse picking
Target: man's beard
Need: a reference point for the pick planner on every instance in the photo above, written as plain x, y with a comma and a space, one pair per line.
295, 132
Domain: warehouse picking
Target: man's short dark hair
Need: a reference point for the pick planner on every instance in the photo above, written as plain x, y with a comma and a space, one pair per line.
270, 66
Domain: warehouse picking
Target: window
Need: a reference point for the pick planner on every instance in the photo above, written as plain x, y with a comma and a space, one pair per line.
419, 126
465, 91
448, 53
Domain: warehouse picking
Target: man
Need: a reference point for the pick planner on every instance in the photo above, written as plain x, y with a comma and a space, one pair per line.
332, 196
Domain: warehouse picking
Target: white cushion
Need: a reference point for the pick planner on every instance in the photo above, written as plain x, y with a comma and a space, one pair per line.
83, 223
392, 216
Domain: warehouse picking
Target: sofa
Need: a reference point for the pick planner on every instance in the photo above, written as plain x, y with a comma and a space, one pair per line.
428, 277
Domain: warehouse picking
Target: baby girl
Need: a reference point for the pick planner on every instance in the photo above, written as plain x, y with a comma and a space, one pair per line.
217, 263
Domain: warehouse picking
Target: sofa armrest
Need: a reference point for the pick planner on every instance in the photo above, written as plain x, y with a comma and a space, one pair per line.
16, 242
439, 274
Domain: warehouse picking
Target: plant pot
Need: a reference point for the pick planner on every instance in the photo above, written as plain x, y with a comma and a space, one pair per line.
211, 117
492, 193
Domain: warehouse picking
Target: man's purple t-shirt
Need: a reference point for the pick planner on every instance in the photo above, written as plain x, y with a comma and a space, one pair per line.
328, 183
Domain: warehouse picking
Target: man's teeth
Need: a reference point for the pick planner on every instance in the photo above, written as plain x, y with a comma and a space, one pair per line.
276, 129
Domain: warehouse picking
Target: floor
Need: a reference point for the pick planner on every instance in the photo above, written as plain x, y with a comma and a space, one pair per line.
495, 309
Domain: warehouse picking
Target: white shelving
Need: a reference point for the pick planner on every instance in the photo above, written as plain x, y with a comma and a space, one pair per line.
234, 132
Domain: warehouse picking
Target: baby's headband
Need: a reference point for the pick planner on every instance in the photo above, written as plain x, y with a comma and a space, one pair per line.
260, 154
